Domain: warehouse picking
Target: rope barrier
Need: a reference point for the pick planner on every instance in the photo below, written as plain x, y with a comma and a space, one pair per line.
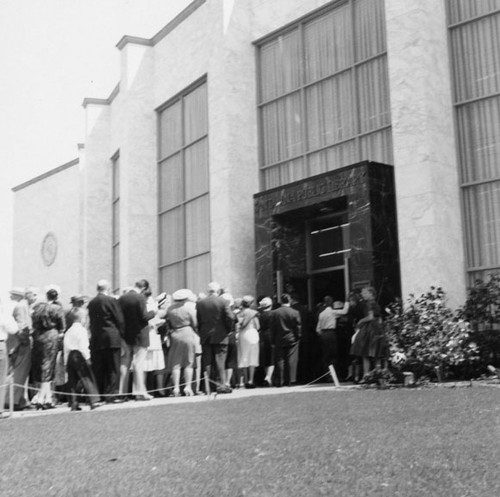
207, 380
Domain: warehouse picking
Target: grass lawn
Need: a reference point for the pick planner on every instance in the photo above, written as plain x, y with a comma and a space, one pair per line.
429, 442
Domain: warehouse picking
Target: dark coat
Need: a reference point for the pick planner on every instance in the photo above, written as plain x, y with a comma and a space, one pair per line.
215, 320
136, 318
286, 326
106, 322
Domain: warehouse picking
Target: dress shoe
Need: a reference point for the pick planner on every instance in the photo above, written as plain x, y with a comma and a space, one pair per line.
144, 397
249, 385
115, 401
223, 389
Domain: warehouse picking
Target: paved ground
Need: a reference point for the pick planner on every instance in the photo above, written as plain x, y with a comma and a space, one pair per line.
236, 394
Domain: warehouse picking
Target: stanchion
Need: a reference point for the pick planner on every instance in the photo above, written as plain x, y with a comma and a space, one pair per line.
11, 397
334, 375
207, 385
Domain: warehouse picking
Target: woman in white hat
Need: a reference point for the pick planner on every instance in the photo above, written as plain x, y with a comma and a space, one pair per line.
182, 324
248, 340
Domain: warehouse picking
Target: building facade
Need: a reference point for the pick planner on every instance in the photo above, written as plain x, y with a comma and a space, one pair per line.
313, 143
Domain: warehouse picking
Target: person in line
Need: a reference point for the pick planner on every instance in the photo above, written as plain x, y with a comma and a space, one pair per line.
77, 302
286, 332
347, 325
327, 331
19, 346
48, 325
215, 321
182, 324
8, 326
154, 365
248, 340
77, 360
266, 352
106, 330
369, 342
136, 337
232, 348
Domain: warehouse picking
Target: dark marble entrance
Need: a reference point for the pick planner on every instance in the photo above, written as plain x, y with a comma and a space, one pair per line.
361, 197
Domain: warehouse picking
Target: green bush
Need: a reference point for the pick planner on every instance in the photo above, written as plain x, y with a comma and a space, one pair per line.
430, 339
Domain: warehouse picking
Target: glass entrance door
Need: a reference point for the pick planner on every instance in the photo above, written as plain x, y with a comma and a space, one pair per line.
327, 258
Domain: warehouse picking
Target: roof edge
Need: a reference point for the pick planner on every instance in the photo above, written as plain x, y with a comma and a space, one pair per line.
136, 40
102, 101
178, 19
36, 179
168, 28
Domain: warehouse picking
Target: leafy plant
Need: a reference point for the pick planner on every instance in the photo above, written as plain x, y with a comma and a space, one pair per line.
434, 338
378, 376
482, 310
482, 307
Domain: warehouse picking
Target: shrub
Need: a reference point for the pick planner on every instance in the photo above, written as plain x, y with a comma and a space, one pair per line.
482, 310
435, 340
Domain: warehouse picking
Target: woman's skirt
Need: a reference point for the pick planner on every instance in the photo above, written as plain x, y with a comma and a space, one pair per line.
44, 355
370, 341
248, 348
182, 351
266, 352
155, 360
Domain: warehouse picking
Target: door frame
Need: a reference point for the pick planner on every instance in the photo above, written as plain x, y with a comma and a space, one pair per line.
346, 254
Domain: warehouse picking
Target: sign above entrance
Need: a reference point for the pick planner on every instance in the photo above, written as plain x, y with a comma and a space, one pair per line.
295, 195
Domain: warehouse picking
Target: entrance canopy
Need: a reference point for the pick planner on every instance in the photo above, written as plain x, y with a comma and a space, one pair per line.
328, 234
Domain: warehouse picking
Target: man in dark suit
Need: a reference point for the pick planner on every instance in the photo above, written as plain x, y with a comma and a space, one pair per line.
215, 321
106, 329
286, 329
136, 338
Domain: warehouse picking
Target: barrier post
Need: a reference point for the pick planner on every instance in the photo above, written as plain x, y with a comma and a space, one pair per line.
207, 385
334, 375
11, 396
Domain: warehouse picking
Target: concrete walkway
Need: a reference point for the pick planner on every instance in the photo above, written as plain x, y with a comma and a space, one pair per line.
239, 393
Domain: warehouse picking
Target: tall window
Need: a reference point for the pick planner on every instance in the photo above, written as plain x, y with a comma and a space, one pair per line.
184, 209
324, 93
115, 223
475, 47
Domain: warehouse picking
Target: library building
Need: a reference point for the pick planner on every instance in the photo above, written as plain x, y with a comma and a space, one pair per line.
267, 144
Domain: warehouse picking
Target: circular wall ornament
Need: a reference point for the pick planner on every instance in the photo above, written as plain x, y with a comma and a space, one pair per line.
49, 249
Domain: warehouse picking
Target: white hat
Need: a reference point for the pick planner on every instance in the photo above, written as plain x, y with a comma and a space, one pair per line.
17, 292
266, 303
182, 294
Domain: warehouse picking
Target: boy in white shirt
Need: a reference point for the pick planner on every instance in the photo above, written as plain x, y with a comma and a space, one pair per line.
76, 360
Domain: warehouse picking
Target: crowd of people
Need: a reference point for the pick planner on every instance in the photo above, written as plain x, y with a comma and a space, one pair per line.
133, 346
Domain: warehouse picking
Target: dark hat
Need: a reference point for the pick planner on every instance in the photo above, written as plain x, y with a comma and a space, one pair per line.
78, 298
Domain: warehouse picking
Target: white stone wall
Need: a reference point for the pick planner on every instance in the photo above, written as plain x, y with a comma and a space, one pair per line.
426, 170
97, 213
49, 205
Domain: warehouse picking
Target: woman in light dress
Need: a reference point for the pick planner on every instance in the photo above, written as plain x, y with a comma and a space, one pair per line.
155, 361
248, 340
184, 341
